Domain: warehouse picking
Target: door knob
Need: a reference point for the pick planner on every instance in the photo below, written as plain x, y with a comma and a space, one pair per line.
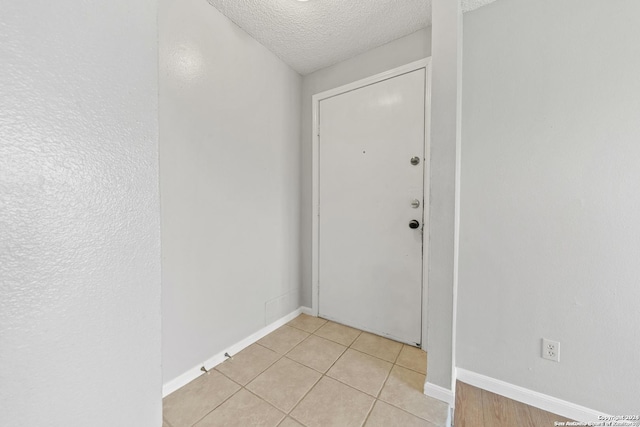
415, 160
414, 224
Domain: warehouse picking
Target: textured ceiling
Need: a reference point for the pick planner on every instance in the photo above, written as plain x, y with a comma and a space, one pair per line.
469, 5
309, 35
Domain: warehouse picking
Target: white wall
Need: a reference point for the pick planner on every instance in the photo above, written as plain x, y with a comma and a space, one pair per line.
399, 52
444, 179
79, 214
550, 236
229, 154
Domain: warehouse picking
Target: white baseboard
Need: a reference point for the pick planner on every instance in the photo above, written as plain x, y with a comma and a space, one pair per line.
449, 421
193, 373
306, 310
439, 393
530, 397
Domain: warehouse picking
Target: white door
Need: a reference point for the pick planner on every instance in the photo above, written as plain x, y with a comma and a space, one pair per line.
370, 260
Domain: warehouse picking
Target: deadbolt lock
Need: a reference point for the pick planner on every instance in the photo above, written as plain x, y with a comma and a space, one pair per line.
415, 161
415, 203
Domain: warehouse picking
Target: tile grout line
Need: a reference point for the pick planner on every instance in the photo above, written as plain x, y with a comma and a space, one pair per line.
268, 403
342, 354
394, 362
237, 383
280, 356
292, 348
314, 385
402, 409
385, 382
337, 380
295, 346
219, 405
284, 356
332, 342
384, 360
350, 386
376, 398
324, 374
393, 405
407, 412
410, 413
238, 391
310, 388
302, 398
369, 412
396, 358
293, 326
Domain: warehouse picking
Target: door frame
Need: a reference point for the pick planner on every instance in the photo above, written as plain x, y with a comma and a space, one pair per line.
315, 195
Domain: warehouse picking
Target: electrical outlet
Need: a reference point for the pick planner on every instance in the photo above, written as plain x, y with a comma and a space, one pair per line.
550, 350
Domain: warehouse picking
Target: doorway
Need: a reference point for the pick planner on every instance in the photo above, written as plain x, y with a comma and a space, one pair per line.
370, 184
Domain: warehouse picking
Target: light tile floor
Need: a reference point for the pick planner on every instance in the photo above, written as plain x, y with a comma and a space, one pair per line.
312, 373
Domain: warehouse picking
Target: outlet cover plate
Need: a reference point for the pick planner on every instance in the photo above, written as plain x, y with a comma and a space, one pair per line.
550, 350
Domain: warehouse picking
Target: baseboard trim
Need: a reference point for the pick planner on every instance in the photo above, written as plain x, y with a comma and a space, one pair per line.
306, 310
439, 393
193, 373
530, 397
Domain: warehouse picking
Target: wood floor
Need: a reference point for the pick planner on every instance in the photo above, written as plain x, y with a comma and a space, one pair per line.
479, 408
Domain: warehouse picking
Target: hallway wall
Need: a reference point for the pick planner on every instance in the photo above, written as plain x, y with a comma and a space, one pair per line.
79, 214
230, 189
549, 233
